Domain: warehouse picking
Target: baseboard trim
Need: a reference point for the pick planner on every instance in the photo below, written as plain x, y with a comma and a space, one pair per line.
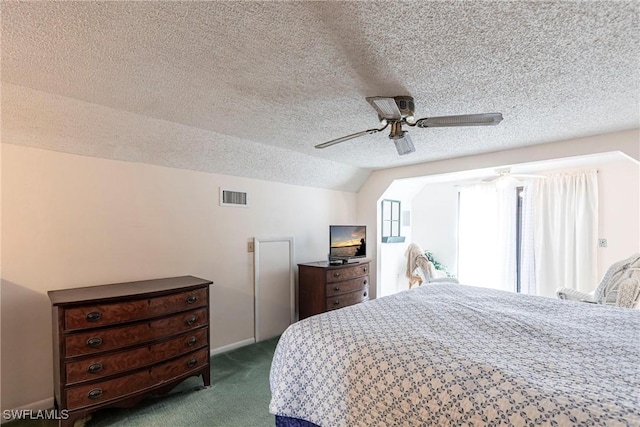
34, 406
233, 346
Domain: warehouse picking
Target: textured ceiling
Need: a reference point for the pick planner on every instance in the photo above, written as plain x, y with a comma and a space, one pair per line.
219, 82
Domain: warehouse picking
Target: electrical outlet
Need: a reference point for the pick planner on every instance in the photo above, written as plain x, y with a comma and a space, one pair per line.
602, 243
250, 247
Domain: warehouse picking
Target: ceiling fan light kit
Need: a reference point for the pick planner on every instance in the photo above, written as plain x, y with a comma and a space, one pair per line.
404, 144
401, 139
399, 110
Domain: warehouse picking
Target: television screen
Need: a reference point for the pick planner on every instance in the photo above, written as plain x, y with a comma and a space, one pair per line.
347, 241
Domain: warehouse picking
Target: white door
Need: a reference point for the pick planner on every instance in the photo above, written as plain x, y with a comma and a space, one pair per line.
274, 286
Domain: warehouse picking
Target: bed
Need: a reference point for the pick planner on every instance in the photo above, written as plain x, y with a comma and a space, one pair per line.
452, 355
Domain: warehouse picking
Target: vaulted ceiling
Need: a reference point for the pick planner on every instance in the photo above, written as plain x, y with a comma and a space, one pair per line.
248, 88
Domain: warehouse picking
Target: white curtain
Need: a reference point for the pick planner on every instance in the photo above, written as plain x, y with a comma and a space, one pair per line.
487, 236
565, 232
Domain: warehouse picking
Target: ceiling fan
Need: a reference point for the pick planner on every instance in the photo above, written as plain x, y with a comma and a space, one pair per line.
503, 173
398, 111
503, 176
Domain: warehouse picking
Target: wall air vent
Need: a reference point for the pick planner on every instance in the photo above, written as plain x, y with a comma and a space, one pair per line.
233, 198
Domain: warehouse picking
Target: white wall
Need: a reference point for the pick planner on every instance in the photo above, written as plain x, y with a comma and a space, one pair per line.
71, 221
435, 223
619, 198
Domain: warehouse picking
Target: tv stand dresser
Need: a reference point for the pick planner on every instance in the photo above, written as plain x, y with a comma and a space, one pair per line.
323, 287
114, 345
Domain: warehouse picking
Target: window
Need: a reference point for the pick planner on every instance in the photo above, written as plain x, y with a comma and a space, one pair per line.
391, 221
519, 231
494, 238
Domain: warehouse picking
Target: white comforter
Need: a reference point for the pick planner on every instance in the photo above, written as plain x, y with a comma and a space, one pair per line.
454, 355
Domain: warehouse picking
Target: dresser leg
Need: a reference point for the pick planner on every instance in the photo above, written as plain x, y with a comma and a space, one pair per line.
206, 377
74, 420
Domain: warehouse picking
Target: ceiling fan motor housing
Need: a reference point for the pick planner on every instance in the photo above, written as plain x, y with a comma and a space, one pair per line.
405, 105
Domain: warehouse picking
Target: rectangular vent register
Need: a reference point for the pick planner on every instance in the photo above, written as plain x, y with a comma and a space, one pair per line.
233, 198
114, 345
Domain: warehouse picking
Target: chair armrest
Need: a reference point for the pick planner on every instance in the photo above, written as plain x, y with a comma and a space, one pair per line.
628, 293
444, 279
573, 295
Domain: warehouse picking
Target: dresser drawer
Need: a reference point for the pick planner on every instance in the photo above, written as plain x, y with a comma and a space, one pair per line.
346, 300
187, 363
101, 366
108, 314
108, 339
91, 394
339, 274
98, 367
339, 288
179, 345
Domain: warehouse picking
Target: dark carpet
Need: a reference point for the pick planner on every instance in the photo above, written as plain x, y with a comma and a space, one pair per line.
238, 397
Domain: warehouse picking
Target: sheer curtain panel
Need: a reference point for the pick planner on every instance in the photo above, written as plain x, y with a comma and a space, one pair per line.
565, 232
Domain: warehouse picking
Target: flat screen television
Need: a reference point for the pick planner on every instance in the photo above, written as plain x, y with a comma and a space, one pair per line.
347, 242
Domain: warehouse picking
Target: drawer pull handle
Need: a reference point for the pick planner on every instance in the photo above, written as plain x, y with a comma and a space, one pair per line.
336, 274
191, 320
191, 341
365, 282
336, 302
94, 316
364, 269
94, 342
95, 368
95, 393
191, 363
191, 299
337, 288
365, 294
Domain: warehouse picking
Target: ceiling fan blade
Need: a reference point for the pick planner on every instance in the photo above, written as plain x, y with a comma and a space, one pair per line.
348, 137
521, 175
486, 119
491, 178
503, 175
386, 107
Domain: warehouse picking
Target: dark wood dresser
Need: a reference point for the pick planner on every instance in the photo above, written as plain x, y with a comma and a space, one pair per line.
113, 345
323, 287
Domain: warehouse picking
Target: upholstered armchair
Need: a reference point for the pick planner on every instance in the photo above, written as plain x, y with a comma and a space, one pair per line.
620, 286
420, 269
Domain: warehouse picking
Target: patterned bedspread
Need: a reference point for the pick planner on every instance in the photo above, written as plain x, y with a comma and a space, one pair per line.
454, 355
